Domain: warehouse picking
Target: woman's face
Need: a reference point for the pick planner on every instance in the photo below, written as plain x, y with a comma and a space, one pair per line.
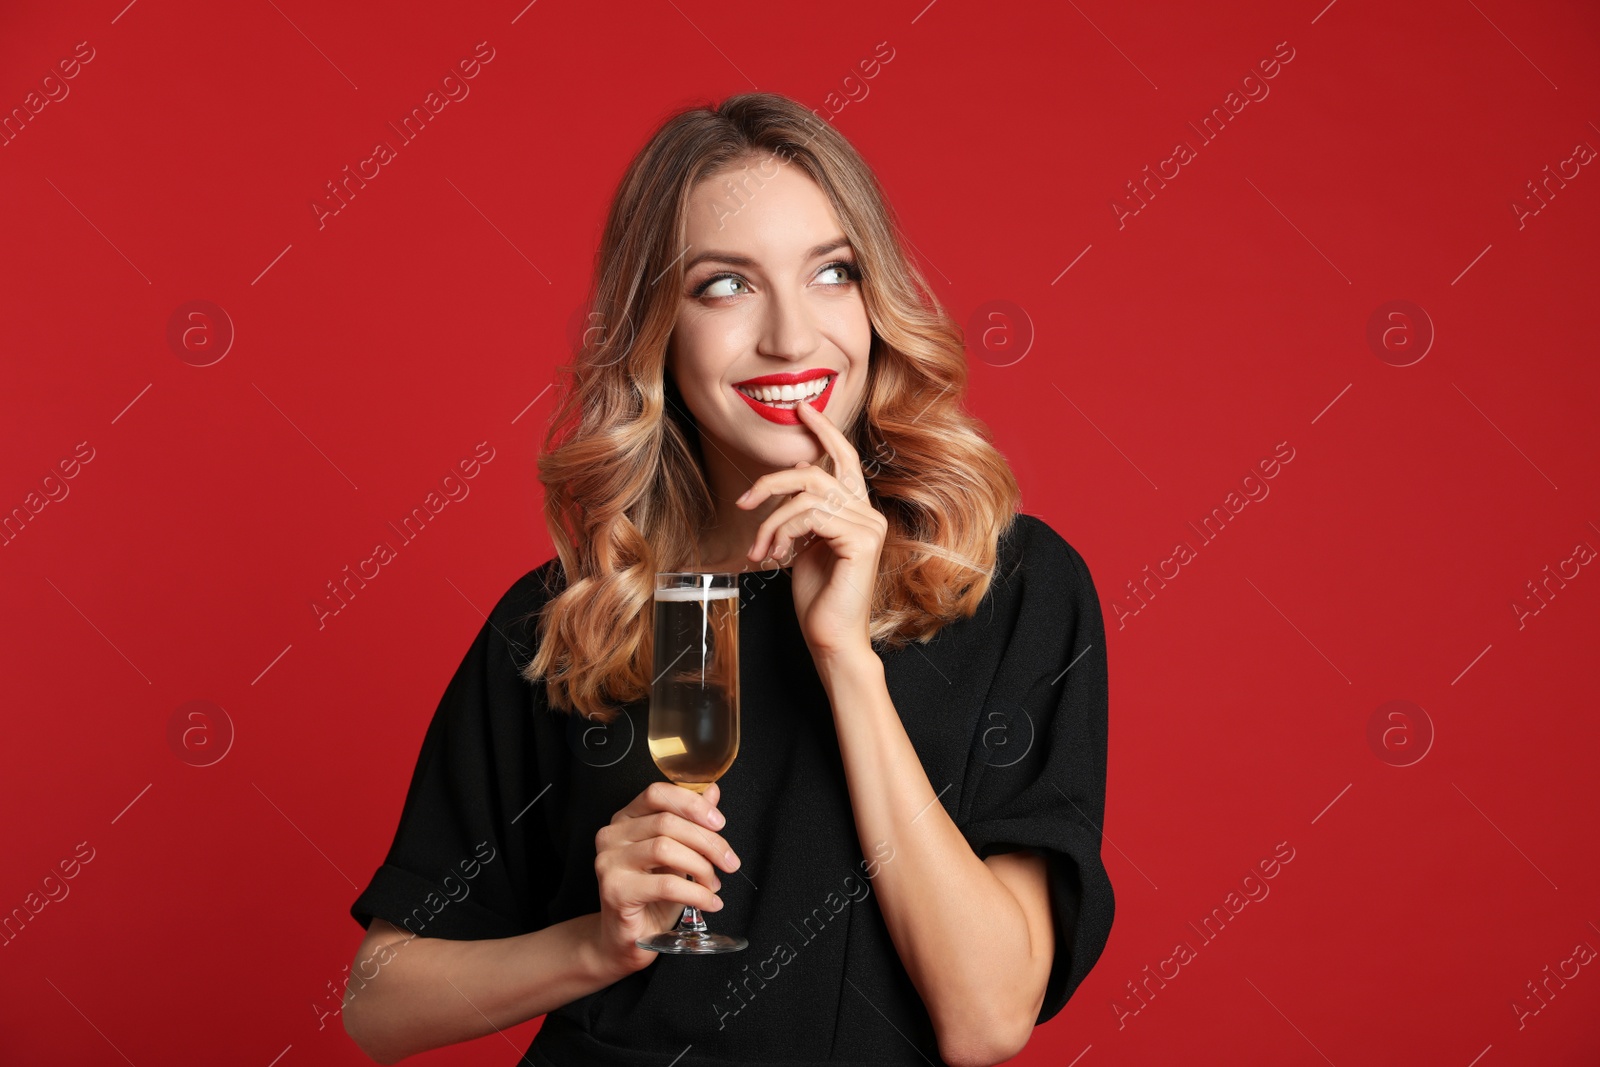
770, 291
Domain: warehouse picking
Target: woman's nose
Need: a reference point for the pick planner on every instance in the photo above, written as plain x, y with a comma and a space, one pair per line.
789, 331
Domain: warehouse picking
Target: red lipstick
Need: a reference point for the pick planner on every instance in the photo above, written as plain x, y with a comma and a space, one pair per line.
787, 416
793, 377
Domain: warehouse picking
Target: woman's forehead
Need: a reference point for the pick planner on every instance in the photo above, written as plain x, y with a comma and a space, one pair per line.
781, 218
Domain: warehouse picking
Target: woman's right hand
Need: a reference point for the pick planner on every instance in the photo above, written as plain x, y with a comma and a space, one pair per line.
640, 861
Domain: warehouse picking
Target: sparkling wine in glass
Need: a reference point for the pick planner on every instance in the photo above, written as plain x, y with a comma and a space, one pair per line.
694, 710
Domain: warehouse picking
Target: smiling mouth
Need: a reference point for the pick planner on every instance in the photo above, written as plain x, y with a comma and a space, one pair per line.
784, 397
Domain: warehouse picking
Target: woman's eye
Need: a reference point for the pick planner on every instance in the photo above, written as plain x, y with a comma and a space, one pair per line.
709, 287
720, 285
849, 271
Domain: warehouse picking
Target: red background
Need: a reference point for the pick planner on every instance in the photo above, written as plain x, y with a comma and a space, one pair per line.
1228, 315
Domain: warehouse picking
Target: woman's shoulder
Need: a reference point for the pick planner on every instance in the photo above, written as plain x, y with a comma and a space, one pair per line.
1030, 547
528, 595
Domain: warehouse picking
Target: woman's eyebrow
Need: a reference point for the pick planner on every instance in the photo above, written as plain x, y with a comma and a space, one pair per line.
745, 261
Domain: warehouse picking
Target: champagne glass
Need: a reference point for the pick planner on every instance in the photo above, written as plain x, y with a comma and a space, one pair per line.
694, 710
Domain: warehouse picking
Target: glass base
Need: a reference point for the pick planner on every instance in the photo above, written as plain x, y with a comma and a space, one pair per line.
690, 937
687, 943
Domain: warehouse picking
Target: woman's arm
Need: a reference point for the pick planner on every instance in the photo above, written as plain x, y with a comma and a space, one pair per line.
409, 1005
975, 936
423, 992
978, 952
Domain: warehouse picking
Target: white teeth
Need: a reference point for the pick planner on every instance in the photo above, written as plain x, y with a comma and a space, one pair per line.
780, 394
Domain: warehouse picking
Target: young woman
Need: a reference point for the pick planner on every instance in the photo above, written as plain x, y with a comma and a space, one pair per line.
909, 837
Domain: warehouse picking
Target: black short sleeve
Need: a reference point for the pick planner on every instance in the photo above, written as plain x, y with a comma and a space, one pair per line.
464, 865
1037, 775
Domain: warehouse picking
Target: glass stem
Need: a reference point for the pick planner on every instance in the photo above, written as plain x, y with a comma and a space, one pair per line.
691, 922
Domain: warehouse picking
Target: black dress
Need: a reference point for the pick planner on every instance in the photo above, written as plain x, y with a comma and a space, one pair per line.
1006, 710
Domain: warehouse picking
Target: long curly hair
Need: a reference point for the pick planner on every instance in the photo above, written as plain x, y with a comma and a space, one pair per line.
625, 489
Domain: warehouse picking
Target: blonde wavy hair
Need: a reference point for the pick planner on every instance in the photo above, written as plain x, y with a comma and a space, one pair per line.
625, 490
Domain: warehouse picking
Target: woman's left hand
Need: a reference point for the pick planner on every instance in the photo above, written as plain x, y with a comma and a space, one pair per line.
839, 535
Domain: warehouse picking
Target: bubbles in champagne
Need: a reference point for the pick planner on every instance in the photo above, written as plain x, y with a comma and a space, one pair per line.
694, 697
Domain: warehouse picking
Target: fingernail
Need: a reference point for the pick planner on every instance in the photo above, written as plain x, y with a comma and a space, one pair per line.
717, 819
732, 860
744, 496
